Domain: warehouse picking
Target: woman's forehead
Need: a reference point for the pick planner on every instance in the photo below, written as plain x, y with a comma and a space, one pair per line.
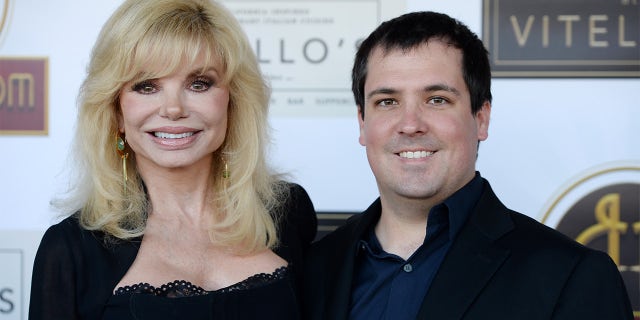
160, 61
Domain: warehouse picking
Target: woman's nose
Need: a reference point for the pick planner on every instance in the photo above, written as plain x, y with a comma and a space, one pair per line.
173, 106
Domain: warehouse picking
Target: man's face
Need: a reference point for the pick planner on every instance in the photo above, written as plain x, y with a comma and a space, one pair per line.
420, 135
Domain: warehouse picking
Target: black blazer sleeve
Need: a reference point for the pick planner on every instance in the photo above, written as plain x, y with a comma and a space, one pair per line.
595, 290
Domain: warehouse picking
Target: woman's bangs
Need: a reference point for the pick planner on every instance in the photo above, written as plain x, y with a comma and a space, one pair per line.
162, 55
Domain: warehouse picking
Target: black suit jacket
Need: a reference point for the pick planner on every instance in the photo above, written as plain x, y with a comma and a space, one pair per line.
502, 265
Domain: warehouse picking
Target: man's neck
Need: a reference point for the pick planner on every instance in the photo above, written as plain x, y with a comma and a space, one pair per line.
401, 233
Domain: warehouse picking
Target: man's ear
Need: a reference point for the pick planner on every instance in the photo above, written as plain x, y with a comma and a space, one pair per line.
483, 117
361, 139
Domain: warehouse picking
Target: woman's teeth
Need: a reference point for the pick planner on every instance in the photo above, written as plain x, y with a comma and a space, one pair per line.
165, 135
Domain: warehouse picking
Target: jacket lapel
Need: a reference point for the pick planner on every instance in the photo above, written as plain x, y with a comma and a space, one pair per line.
471, 262
343, 266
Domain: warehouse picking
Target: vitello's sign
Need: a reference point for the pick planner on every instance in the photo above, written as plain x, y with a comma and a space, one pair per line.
563, 38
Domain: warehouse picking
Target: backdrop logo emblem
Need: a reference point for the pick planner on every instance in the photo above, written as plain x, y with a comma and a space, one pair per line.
601, 209
23, 96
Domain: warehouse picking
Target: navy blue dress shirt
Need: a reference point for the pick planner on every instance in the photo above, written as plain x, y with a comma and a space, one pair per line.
388, 287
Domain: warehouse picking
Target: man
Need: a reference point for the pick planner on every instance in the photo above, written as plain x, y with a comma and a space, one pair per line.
438, 244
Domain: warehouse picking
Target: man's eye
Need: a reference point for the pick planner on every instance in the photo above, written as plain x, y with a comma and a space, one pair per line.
144, 87
437, 101
386, 102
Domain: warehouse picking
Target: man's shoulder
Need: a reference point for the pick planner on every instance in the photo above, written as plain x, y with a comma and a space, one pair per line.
539, 240
529, 239
519, 230
342, 237
343, 231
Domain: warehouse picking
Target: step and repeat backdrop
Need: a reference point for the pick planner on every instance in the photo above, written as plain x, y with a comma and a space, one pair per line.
564, 139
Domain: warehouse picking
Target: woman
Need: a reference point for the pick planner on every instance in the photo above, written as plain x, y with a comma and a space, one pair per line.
177, 214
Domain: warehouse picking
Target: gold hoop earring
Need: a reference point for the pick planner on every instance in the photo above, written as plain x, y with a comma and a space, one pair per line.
121, 149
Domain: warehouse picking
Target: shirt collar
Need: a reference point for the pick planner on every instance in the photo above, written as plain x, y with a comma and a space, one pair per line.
461, 203
454, 211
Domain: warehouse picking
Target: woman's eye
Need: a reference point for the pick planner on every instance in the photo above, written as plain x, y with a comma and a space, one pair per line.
144, 87
201, 85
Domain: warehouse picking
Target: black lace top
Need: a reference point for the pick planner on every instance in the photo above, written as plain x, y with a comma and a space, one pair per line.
261, 296
75, 272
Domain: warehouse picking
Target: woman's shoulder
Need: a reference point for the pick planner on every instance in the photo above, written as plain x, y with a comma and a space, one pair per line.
68, 227
296, 199
68, 242
70, 235
297, 211
60, 245
66, 234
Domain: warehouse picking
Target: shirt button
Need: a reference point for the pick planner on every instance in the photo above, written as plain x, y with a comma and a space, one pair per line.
407, 267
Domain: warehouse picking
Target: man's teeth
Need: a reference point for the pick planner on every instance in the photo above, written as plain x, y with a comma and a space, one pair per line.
165, 135
415, 154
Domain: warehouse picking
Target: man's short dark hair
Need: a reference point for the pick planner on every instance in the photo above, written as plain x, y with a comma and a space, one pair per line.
411, 30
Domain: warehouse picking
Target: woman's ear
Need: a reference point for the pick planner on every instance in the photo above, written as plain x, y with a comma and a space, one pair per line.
120, 120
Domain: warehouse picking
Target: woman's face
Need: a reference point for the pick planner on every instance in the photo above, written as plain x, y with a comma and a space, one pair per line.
176, 121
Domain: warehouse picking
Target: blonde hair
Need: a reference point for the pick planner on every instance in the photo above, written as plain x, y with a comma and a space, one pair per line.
164, 35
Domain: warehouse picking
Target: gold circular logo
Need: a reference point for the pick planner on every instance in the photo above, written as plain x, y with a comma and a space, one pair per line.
601, 210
